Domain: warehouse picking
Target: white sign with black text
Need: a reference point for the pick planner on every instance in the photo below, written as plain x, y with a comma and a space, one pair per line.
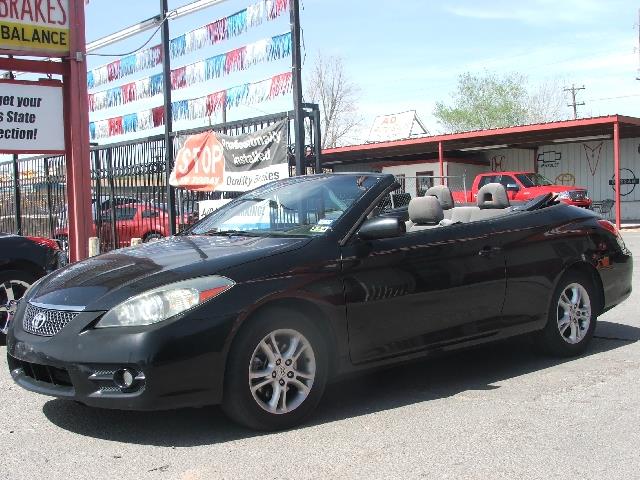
31, 117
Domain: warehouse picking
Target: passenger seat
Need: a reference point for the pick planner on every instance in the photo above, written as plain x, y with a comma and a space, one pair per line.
424, 213
492, 201
444, 196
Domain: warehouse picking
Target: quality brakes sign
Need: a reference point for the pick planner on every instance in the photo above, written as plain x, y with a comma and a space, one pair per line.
35, 26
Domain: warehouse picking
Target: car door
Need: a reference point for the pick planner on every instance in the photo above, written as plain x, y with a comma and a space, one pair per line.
432, 288
515, 190
126, 221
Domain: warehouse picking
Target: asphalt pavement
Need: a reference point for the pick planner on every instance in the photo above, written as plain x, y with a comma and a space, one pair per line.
500, 411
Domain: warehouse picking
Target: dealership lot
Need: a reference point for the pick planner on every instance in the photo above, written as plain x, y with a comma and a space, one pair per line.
501, 411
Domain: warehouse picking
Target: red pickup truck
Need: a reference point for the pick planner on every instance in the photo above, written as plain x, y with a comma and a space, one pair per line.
523, 186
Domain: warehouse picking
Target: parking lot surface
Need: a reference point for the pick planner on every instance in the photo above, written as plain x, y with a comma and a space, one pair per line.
500, 411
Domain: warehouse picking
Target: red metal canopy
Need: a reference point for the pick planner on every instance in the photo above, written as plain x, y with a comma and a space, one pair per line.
522, 136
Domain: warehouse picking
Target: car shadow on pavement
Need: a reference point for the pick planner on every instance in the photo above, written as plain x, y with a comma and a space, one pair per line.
475, 369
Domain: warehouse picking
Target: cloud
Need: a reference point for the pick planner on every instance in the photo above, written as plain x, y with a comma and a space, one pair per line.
533, 12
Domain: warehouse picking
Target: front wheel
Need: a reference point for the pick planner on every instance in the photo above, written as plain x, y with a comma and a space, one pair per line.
13, 285
572, 316
276, 372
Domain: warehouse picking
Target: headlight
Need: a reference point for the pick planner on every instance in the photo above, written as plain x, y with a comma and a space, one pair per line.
564, 195
164, 302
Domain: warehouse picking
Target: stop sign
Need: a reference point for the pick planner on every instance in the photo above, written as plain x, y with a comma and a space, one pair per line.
199, 164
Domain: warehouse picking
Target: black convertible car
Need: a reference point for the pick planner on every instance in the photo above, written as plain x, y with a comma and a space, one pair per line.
262, 302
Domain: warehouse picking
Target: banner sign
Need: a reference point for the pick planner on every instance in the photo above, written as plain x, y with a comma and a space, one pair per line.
35, 26
31, 117
212, 161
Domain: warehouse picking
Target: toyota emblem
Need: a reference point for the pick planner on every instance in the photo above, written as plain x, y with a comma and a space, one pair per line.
38, 320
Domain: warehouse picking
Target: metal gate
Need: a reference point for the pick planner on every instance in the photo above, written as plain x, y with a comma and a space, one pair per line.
128, 186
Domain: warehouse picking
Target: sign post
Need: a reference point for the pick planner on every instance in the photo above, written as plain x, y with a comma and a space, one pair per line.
49, 117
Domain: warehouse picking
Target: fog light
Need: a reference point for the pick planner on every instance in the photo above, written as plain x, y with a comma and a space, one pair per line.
124, 378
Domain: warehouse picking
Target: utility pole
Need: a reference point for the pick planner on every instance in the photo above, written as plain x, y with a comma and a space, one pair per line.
638, 47
296, 67
168, 116
573, 103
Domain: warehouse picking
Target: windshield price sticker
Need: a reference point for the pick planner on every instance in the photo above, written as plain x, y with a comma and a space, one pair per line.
320, 229
35, 26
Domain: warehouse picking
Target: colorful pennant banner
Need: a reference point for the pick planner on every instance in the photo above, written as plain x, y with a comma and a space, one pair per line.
274, 48
210, 34
193, 109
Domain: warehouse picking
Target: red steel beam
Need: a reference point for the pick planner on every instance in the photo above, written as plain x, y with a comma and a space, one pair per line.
32, 66
616, 163
77, 137
441, 161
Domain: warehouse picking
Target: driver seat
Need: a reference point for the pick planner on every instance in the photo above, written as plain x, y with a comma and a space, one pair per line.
425, 213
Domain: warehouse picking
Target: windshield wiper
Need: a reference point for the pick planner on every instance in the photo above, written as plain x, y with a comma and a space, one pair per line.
231, 233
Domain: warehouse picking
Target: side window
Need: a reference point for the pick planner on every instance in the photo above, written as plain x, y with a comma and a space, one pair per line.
150, 214
126, 213
507, 180
487, 179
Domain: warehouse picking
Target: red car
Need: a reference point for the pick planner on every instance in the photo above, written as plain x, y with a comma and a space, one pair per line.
99, 207
148, 222
523, 186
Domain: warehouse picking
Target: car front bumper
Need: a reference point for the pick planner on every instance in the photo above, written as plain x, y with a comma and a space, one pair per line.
180, 364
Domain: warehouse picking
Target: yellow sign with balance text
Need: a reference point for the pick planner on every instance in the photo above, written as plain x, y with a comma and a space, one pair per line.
35, 26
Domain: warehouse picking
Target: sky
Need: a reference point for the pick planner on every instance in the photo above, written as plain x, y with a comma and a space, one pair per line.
408, 54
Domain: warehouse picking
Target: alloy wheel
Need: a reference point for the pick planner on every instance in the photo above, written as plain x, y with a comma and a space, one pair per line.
281, 371
574, 313
10, 291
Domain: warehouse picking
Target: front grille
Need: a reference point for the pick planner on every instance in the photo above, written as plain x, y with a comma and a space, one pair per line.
45, 323
42, 373
578, 195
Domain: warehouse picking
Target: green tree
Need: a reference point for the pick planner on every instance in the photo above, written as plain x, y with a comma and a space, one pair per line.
492, 101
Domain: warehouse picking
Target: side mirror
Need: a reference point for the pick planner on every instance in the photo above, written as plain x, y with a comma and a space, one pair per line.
512, 187
382, 227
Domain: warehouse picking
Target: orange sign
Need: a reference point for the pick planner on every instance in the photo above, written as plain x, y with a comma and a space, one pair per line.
199, 164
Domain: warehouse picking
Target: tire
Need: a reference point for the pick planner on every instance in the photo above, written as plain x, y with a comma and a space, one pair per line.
63, 240
13, 283
249, 401
152, 237
570, 327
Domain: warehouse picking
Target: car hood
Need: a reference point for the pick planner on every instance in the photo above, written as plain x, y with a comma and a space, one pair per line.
101, 282
554, 189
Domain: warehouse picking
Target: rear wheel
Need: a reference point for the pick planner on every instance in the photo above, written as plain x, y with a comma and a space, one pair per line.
13, 285
276, 371
572, 316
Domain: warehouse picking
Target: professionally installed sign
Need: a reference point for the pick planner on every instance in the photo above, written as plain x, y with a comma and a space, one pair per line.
211, 161
31, 117
35, 26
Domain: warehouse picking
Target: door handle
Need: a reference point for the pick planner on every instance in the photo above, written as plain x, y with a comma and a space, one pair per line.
488, 251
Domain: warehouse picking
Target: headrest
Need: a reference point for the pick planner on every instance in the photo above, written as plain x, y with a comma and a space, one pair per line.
443, 194
493, 195
425, 210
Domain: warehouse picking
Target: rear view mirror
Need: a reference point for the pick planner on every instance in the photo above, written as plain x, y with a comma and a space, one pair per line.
382, 227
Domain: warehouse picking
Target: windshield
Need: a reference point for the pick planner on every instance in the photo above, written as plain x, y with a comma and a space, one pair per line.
533, 180
293, 207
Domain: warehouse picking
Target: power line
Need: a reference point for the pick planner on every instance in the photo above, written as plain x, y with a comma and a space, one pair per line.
573, 104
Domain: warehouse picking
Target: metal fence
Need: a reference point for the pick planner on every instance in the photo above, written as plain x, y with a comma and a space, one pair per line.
128, 187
